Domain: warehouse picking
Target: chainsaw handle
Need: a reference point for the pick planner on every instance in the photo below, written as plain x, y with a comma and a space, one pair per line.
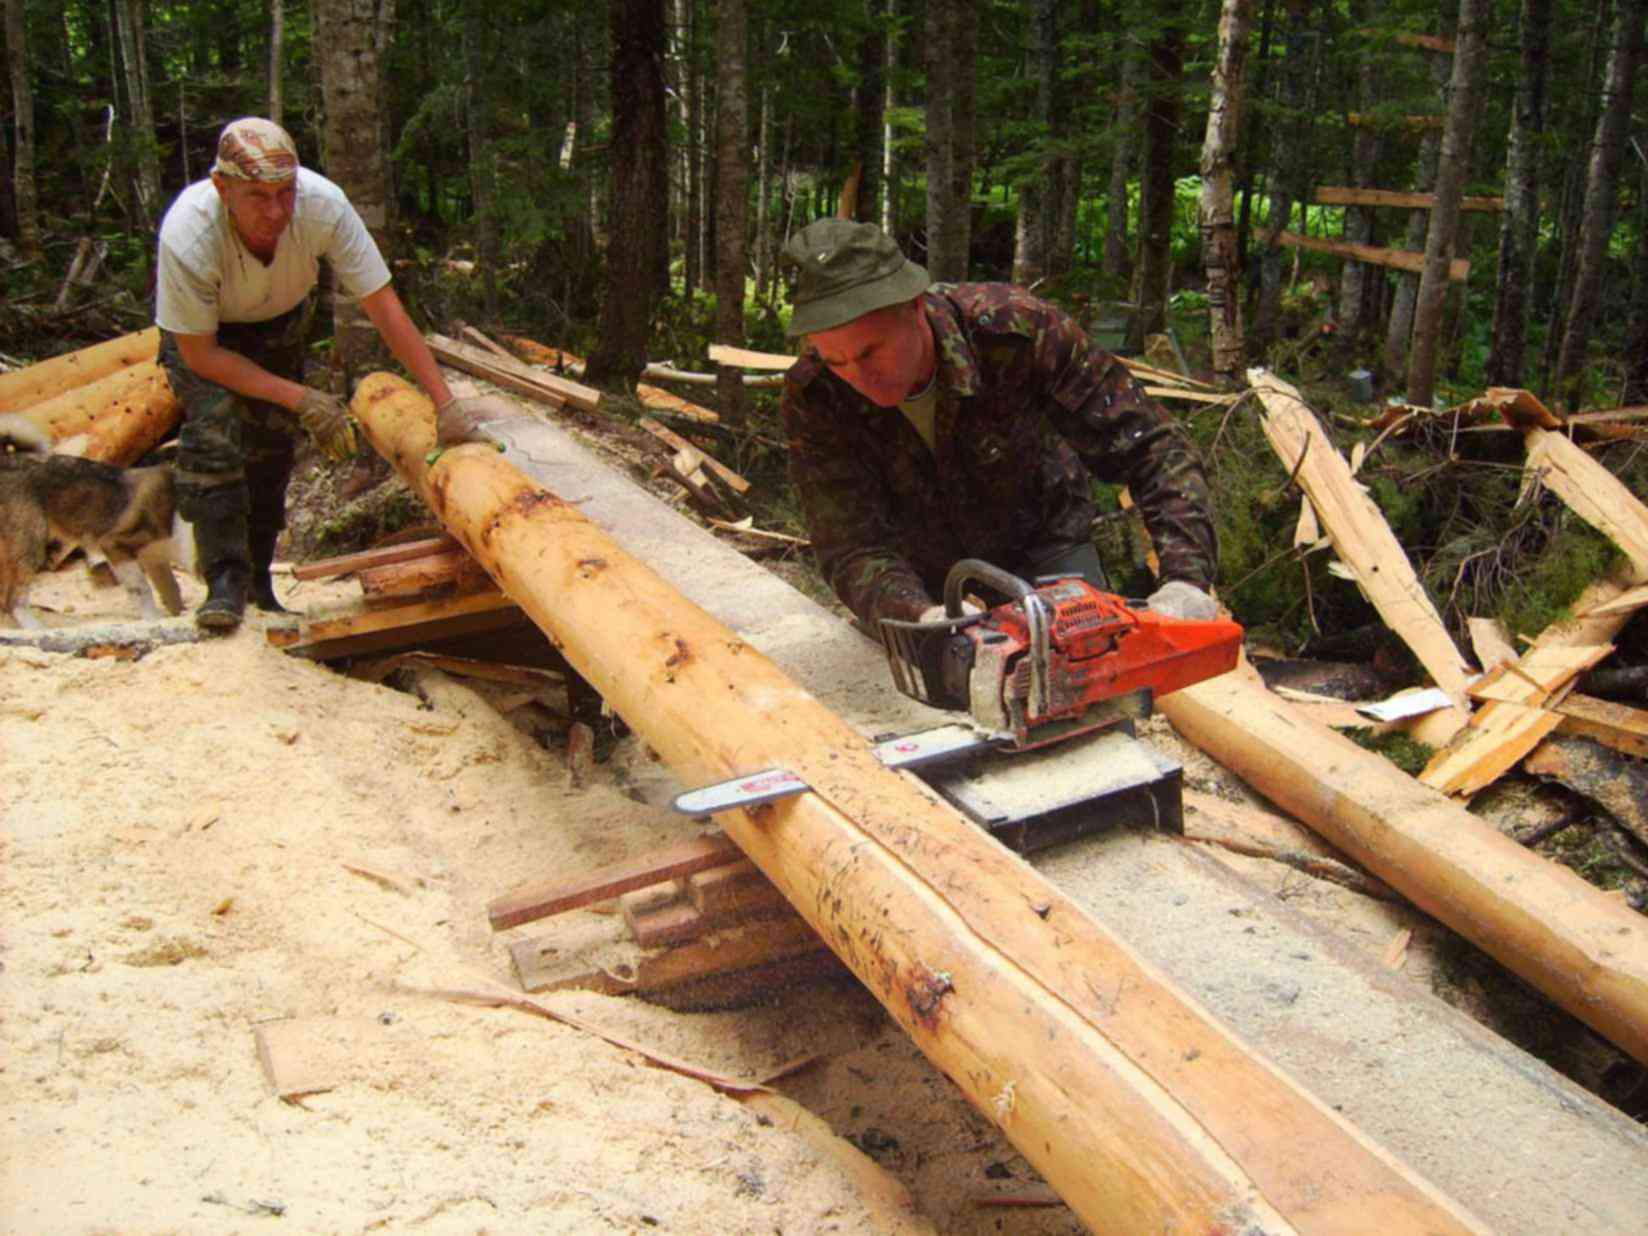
976, 570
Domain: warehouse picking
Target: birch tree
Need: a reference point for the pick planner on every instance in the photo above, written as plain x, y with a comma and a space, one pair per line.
347, 42
1601, 196
277, 45
1453, 164
1519, 226
732, 178
1217, 208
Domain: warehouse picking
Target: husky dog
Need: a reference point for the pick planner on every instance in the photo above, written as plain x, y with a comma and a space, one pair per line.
126, 515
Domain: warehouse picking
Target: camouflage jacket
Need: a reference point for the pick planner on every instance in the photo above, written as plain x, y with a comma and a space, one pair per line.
1024, 401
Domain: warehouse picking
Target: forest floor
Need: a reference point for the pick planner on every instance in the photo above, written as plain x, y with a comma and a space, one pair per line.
220, 841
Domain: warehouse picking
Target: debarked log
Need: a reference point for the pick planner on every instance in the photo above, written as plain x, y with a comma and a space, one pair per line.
1582, 948
123, 415
48, 378
1145, 1113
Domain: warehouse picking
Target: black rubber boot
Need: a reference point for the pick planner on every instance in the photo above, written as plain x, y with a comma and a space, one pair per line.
220, 547
262, 590
225, 602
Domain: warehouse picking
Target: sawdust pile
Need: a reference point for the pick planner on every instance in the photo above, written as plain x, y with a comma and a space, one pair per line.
220, 838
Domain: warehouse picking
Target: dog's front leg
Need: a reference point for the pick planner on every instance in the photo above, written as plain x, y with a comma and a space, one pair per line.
157, 565
130, 574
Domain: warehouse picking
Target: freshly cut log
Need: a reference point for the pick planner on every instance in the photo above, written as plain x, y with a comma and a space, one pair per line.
124, 414
343, 564
1580, 947
35, 383
1130, 1099
451, 572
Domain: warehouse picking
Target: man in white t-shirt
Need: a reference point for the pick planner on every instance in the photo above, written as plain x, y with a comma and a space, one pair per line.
239, 260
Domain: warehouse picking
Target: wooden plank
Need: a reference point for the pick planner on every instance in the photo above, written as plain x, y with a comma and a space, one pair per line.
450, 572
343, 564
735, 482
667, 926
541, 962
1533, 680
661, 400
1410, 260
1360, 535
377, 630
1125, 1094
744, 358
1570, 940
1613, 725
727, 893
547, 897
1340, 195
512, 374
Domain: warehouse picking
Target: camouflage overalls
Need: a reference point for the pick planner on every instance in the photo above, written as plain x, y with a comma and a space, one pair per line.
235, 455
1023, 401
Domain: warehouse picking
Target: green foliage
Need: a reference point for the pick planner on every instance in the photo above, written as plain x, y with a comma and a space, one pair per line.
1400, 749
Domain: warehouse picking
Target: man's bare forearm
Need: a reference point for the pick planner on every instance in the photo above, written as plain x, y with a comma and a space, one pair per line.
403, 339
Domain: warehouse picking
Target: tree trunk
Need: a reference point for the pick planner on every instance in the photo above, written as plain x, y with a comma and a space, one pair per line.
942, 264
8, 198
692, 84
1138, 1110
140, 116
1355, 277
1601, 197
346, 43
764, 249
1399, 329
1286, 183
1163, 108
869, 97
22, 97
124, 414
482, 162
684, 69
1038, 190
1117, 251
638, 189
1519, 227
889, 164
1218, 214
963, 138
1636, 334
277, 45
1453, 165
732, 178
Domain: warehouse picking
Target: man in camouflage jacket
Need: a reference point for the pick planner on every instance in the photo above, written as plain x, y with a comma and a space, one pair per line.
927, 424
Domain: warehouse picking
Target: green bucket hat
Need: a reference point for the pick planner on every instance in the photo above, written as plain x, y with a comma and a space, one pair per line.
846, 270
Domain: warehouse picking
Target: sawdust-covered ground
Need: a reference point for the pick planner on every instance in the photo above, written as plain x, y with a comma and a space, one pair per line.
220, 837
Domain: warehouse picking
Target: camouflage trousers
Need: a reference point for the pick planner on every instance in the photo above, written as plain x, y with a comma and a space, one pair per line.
235, 455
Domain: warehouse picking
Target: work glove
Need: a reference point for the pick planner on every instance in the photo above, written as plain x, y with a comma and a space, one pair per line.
326, 420
1178, 599
935, 613
461, 420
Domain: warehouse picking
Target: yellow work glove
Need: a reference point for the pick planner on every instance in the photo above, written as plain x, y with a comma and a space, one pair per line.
326, 420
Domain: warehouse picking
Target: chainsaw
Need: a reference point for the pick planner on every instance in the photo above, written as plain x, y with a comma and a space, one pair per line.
1059, 658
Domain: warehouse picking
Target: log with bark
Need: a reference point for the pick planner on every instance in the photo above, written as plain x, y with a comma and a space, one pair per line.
45, 379
1126, 1095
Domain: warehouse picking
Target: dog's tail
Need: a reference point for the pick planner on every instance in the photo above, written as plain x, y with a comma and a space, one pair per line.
23, 433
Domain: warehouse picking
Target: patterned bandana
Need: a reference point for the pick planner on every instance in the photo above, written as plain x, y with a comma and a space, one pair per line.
252, 148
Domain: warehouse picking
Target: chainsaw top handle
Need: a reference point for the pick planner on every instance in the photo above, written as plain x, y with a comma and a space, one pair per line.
977, 570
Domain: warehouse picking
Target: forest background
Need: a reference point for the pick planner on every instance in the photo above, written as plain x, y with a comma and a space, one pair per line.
620, 182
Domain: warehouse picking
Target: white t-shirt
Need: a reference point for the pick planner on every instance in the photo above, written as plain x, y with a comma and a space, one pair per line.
208, 276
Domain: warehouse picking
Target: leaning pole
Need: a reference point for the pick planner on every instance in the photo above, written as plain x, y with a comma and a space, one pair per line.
1144, 1113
